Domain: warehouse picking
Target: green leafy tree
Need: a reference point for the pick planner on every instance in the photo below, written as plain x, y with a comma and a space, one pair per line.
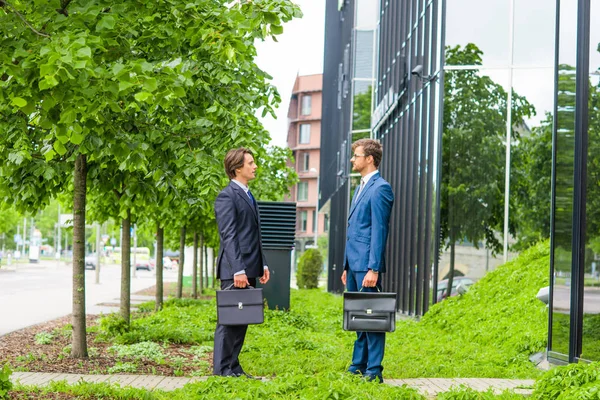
473, 153
87, 85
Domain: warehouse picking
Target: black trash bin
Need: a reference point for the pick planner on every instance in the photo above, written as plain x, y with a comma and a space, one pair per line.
278, 231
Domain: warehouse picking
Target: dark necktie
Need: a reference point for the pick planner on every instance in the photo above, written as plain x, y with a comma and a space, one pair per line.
251, 198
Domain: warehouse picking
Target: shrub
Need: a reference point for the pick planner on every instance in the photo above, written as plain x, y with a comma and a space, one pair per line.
143, 350
5, 383
44, 338
113, 325
310, 267
122, 367
574, 381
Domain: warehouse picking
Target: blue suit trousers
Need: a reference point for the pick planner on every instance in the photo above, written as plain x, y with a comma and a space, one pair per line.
369, 346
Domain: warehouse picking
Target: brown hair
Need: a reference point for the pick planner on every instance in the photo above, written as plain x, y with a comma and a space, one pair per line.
371, 148
234, 160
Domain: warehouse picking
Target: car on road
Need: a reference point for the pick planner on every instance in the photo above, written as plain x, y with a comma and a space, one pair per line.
90, 261
442, 286
143, 264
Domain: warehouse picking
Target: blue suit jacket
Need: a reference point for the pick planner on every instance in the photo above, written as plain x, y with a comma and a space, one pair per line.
239, 230
368, 226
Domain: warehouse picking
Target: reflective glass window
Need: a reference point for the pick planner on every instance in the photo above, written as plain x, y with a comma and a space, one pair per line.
484, 23
563, 194
591, 294
473, 169
534, 32
366, 13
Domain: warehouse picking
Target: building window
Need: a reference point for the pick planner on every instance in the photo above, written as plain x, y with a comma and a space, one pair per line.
306, 104
326, 223
302, 191
314, 221
305, 161
303, 220
304, 133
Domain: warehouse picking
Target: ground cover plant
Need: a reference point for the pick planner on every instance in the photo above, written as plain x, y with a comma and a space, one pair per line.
488, 332
570, 382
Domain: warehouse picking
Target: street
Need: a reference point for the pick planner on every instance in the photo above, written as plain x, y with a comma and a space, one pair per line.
35, 293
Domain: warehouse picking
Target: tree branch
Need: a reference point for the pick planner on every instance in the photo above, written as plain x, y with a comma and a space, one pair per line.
63, 10
24, 20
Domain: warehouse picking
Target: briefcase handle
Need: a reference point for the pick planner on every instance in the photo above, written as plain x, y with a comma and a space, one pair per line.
231, 286
361, 288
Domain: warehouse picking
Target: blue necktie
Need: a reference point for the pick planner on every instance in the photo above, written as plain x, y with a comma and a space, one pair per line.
251, 197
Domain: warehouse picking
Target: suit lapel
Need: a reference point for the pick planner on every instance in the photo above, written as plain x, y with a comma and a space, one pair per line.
240, 192
357, 200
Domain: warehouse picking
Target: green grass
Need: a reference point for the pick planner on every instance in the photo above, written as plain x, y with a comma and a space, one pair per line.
488, 332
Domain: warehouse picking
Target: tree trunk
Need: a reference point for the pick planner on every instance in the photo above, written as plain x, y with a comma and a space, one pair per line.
181, 261
201, 277
214, 273
160, 238
206, 266
126, 268
195, 268
451, 272
79, 343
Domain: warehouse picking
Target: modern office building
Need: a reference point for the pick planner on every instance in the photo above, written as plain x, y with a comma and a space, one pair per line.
304, 139
488, 115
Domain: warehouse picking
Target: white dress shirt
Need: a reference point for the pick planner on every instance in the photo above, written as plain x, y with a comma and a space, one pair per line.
245, 189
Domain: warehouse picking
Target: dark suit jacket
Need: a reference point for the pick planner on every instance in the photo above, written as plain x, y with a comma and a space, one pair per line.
368, 226
239, 229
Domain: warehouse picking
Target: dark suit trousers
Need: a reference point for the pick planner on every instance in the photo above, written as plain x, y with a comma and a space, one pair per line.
369, 346
229, 340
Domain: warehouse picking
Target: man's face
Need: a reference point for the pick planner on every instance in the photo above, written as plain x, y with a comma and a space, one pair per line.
358, 159
247, 172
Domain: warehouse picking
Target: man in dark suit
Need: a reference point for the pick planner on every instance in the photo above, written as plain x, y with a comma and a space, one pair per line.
364, 258
241, 259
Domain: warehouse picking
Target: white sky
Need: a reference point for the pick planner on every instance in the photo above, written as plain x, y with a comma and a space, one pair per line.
299, 51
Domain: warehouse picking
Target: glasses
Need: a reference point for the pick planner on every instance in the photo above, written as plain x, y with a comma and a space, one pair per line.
358, 155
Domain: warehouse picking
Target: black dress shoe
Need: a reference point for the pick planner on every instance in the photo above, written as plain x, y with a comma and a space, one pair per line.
231, 375
248, 376
371, 378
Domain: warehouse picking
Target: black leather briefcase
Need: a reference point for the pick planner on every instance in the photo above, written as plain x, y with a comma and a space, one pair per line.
240, 306
369, 311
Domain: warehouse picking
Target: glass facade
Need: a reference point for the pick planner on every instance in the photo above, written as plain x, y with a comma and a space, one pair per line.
498, 105
490, 136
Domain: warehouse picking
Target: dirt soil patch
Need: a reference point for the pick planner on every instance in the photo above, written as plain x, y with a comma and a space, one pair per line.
22, 352
170, 290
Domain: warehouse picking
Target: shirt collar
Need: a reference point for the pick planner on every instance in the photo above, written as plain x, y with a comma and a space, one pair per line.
240, 184
365, 179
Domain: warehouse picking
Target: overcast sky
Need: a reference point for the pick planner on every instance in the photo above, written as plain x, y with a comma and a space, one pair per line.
299, 50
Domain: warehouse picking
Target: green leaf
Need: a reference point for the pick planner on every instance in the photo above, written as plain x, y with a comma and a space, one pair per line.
84, 52
150, 84
124, 85
48, 82
19, 101
271, 18
117, 68
142, 96
77, 138
68, 116
179, 91
106, 23
16, 157
49, 154
276, 29
59, 147
230, 53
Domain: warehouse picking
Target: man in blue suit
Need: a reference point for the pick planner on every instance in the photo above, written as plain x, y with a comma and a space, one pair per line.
364, 258
241, 259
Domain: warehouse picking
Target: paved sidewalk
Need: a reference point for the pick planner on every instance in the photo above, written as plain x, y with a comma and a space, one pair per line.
429, 387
